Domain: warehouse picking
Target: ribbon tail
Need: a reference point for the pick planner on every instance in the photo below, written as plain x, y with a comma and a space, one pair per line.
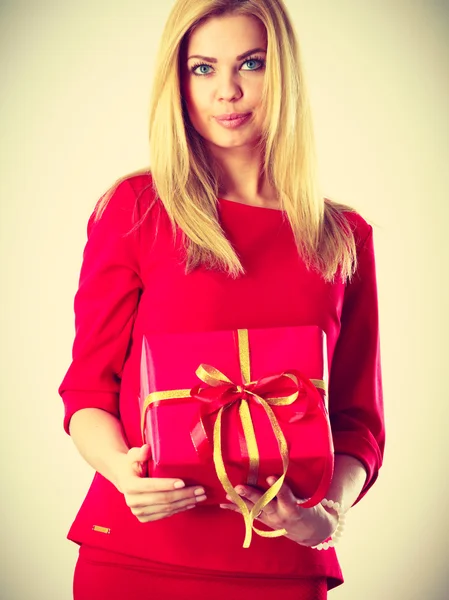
272, 491
224, 480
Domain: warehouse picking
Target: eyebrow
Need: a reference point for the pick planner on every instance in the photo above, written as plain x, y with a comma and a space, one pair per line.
239, 57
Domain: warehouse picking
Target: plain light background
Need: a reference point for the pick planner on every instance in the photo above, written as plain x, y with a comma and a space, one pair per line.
76, 80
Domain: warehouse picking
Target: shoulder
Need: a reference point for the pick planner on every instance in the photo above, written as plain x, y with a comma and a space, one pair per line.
127, 201
361, 229
142, 184
129, 191
356, 225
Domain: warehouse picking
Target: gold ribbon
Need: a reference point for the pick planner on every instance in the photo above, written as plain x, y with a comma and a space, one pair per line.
214, 378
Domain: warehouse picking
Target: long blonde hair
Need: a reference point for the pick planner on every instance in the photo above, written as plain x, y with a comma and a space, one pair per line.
181, 170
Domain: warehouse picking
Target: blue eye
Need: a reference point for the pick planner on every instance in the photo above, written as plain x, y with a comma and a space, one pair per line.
203, 69
253, 64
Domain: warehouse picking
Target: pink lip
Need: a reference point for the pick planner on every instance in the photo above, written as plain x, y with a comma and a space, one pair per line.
233, 120
231, 116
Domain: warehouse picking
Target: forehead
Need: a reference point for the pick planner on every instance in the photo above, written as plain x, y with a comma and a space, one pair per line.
227, 35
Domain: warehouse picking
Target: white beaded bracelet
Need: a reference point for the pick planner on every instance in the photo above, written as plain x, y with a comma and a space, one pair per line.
340, 525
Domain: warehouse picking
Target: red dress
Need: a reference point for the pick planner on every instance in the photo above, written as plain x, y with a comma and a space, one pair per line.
134, 283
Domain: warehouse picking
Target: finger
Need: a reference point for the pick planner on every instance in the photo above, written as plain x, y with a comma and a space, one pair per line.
254, 495
230, 507
139, 458
140, 454
138, 500
163, 515
272, 480
287, 500
248, 503
180, 510
151, 509
249, 493
158, 484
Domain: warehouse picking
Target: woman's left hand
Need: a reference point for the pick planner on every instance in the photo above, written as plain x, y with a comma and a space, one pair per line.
306, 526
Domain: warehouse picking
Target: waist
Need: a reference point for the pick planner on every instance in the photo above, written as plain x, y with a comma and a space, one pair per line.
207, 541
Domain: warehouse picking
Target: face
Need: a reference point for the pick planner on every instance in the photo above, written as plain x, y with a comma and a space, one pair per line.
222, 80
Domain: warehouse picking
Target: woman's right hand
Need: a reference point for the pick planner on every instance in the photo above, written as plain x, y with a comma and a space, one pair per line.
152, 498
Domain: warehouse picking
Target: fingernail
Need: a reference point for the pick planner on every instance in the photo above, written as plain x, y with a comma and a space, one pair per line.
199, 492
271, 480
228, 497
200, 498
240, 491
178, 484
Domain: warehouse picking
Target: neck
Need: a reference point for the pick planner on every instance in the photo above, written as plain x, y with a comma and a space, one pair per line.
241, 177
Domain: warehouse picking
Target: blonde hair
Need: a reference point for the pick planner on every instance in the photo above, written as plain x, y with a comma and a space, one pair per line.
186, 181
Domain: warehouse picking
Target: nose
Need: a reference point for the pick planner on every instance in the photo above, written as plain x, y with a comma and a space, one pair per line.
228, 87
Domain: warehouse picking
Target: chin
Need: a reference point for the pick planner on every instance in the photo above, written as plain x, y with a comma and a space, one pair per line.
226, 141
231, 145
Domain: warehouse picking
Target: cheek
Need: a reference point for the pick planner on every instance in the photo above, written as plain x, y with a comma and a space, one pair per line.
256, 90
188, 94
196, 99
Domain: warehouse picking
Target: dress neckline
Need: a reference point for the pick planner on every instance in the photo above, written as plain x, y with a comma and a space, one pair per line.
249, 206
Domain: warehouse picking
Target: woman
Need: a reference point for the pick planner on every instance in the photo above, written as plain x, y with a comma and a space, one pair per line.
228, 231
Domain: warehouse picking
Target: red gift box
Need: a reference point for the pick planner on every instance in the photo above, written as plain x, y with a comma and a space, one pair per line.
224, 408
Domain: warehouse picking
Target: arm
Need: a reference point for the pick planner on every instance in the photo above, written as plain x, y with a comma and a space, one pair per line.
98, 436
355, 384
348, 480
356, 415
105, 307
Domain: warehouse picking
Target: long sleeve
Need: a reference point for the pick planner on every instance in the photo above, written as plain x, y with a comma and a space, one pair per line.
355, 386
105, 308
